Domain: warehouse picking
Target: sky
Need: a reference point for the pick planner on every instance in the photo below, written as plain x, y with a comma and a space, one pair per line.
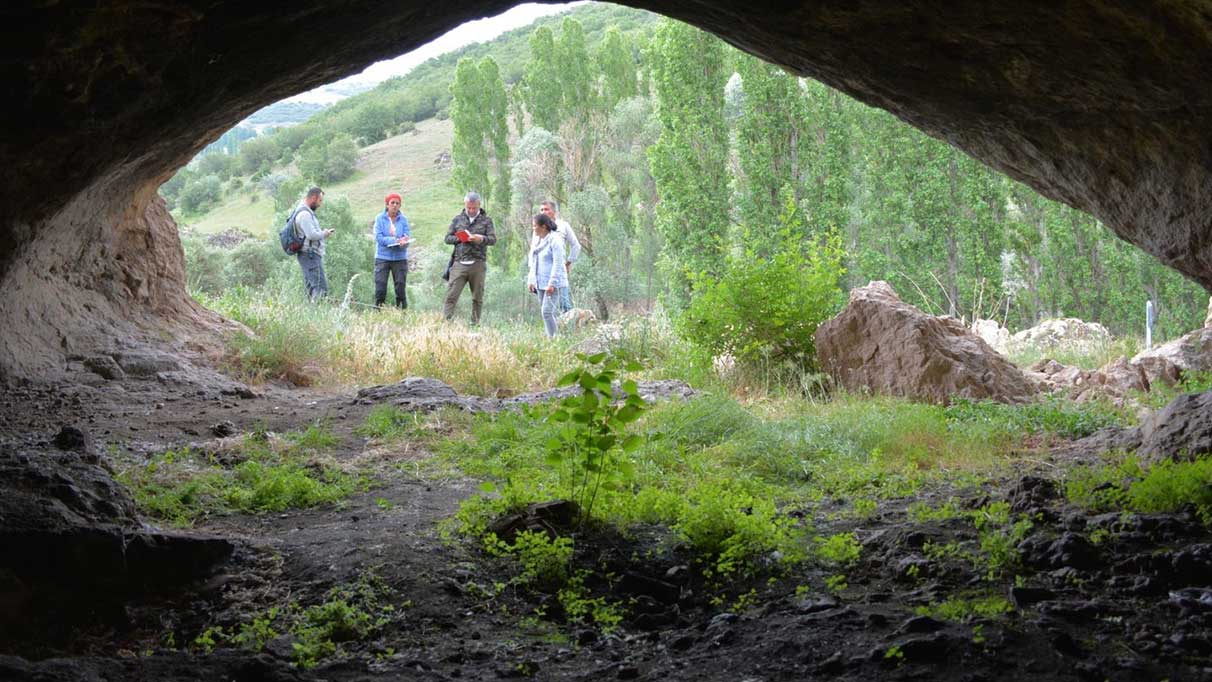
478, 31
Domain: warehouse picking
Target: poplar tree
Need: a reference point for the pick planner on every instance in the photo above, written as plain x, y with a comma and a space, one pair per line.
467, 112
690, 159
773, 120
618, 69
541, 82
575, 77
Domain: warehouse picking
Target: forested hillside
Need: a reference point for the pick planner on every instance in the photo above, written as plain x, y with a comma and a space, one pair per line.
745, 199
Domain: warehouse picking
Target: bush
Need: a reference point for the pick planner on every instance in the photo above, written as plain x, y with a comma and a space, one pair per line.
768, 307
201, 193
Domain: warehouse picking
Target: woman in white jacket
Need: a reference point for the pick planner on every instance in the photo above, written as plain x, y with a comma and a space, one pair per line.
545, 273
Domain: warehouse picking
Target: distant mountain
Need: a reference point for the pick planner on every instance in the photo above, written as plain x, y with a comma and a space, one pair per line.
283, 114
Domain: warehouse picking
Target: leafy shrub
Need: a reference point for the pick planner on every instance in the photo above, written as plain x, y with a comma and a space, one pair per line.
768, 306
1126, 484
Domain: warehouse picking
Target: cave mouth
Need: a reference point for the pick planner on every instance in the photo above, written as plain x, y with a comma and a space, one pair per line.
1099, 106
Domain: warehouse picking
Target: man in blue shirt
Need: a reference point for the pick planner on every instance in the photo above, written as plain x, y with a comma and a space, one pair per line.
391, 253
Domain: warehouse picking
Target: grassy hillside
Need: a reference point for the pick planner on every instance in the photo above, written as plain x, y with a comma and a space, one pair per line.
404, 163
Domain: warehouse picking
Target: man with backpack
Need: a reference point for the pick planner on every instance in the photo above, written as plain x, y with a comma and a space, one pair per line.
311, 254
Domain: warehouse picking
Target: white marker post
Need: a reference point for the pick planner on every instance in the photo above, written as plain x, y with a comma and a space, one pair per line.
1148, 325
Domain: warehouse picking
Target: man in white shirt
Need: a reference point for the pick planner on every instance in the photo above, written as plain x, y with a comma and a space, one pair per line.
311, 256
572, 247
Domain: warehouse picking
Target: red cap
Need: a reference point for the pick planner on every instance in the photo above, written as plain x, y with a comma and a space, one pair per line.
395, 196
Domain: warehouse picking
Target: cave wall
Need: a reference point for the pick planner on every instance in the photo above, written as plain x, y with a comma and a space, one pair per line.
1102, 104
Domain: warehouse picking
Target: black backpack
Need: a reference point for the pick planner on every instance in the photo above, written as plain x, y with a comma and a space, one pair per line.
289, 236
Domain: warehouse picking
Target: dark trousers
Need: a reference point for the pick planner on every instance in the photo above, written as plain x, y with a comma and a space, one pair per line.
399, 275
460, 276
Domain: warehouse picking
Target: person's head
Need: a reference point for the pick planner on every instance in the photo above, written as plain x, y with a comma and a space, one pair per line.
472, 203
393, 202
544, 225
550, 208
315, 197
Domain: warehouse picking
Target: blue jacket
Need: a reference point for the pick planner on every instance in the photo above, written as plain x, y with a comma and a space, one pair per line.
384, 240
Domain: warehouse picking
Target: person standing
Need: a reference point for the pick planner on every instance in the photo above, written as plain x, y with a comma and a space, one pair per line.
311, 256
471, 232
572, 249
545, 273
391, 252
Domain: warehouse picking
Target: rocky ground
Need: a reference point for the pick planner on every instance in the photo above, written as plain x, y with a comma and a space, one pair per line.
1097, 597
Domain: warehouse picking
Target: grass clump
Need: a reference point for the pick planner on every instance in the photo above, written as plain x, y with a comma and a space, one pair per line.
961, 610
181, 487
1125, 484
1050, 416
390, 423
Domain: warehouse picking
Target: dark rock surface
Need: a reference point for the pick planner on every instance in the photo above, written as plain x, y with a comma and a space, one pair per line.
1182, 431
72, 545
1102, 105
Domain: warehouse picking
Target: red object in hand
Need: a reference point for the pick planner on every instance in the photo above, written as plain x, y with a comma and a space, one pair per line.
463, 236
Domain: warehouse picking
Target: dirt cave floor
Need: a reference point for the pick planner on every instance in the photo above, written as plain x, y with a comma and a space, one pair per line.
1097, 597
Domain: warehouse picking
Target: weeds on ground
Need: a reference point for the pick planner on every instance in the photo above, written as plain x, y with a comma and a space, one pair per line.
1126, 484
998, 536
963, 610
1160, 394
348, 613
182, 486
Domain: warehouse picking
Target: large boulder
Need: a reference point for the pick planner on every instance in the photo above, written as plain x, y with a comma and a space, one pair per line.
884, 345
1191, 352
1181, 430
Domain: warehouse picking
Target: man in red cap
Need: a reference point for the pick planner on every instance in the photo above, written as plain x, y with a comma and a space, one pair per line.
391, 252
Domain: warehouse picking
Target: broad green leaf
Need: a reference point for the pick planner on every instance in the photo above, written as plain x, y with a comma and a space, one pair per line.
628, 414
560, 415
632, 442
630, 387
596, 358
488, 487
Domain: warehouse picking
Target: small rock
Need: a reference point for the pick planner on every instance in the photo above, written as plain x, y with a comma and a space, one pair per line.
628, 672
223, 429
1023, 597
105, 366
74, 438
920, 624
281, 647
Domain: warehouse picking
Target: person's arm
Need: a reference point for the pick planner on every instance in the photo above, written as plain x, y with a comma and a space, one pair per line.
383, 239
307, 224
450, 234
490, 236
404, 230
574, 246
557, 257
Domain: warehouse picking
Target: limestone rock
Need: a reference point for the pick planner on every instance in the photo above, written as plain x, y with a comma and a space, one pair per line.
1192, 352
1061, 334
881, 344
992, 333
